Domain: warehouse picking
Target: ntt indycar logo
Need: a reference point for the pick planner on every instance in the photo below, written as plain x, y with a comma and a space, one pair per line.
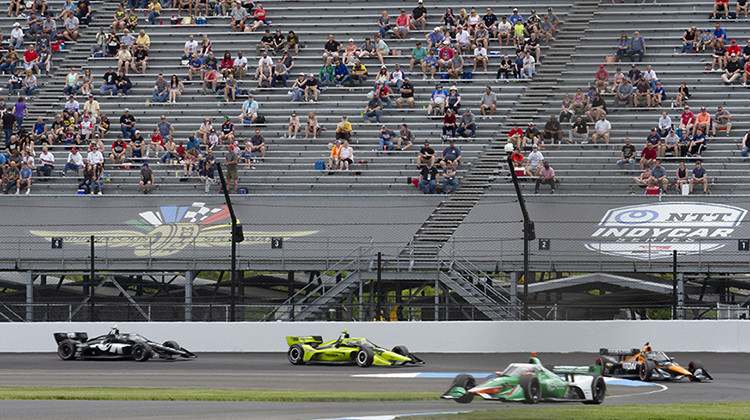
656, 230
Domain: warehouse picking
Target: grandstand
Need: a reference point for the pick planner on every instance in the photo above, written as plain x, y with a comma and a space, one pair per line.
356, 244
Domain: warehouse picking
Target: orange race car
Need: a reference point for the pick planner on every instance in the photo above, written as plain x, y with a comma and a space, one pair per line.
647, 365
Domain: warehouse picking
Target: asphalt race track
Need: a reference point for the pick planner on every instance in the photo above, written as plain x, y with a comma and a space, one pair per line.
273, 371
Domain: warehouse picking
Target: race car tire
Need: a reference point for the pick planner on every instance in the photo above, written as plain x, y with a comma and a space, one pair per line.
693, 367
600, 362
402, 350
532, 390
141, 352
296, 355
365, 356
466, 382
598, 390
645, 370
67, 350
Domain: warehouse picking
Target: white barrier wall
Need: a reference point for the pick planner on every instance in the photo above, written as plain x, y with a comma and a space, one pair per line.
443, 337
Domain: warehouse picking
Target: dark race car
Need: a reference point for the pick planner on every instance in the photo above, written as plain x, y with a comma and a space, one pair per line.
648, 365
114, 345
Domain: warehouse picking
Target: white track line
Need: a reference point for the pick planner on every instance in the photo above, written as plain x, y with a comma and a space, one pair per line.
662, 388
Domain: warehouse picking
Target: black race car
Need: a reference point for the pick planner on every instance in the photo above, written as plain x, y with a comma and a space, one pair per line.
114, 345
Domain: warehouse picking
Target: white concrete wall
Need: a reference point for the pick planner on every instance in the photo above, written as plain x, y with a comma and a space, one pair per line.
447, 337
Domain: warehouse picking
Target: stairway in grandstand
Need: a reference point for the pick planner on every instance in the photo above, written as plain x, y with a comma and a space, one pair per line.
289, 167
491, 164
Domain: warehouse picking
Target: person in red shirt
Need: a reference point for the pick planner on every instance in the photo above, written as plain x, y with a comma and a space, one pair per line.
181, 149
156, 144
517, 157
687, 120
449, 123
31, 59
648, 156
516, 135
721, 5
733, 48
445, 55
601, 78
403, 21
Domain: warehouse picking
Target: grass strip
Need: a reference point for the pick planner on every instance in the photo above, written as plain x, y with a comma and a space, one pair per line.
204, 394
681, 411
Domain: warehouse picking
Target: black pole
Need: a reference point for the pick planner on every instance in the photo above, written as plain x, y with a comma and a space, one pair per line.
235, 234
92, 282
528, 235
378, 306
674, 284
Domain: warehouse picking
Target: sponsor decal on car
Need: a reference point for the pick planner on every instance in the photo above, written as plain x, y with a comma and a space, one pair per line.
650, 231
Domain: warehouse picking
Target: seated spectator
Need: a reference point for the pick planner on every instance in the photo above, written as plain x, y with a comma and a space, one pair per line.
428, 178
340, 73
722, 5
46, 163
127, 124
189, 161
381, 49
579, 131
239, 66
648, 156
636, 47
346, 156
264, 75
227, 129
70, 27
405, 138
602, 129
343, 129
367, 49
137, 145
689, 39
386, 138
567, 112
515, 136
259, 17
249, 110
257, 143
147, 179
732, 71
468, 123
741, 6
722, 120
529, 65
534, 161
230, 88
298, 88
506, 67
119, 151
449, 124
601, 79
699, 177
312, 125
211, 84
451, 154
463, 40
239, 16
456, 68
358, 73
642, 92
195, 66
703, 40
403, 22
687, 120
696, 146
426, 155
642, 180
24, 178
624, 93
161, 90
488, 103
331, 48
665, 124
546, 176
445, 55
407, 94
658, 95
438, 99
449, 179
419, 16
311, 88
516, 157
580, 102
384, 23
655, 140
325, 75
453, 101
623, 45
659, 176
280, 73
29, 83
672, 144
617, 80
552, 130
74, 162
719, 55
627, 156
532, 135
123, 84
681, 177
204, 130
72, 83
702, 121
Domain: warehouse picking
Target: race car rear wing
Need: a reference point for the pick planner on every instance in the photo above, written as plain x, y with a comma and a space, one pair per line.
78, 336
618, 352
309, 339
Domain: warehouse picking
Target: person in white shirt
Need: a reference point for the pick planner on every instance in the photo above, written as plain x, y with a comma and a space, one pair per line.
87, 127
46, 162
534, 161
504, 28
463, 40
529, 64
191, 46
480, 56
239, 66
75, 161
16, 36
346, 156
265, 58
95, 156
665, 124
396, 78
601, 129
650, 77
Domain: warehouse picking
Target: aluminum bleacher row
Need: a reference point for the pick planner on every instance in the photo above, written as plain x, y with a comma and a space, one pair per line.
290, 163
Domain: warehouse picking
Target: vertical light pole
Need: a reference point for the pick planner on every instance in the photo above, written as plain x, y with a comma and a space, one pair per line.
529, 234
237, 237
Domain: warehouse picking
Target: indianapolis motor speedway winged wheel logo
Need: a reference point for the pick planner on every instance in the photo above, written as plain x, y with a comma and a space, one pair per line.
170, 230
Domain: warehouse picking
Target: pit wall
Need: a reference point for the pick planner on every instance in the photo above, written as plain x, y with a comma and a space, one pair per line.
438, 337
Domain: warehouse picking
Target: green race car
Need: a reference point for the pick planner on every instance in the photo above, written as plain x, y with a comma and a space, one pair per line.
345, 349
531, 382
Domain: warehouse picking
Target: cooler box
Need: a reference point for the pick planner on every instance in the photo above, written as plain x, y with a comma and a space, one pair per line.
685, 189
652, 190
520, 172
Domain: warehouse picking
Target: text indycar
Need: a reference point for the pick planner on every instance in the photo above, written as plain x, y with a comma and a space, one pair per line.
647, 365
114, 345
345, 349
531, 382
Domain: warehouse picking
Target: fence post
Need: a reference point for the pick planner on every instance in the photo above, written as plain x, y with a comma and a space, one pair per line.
30, 296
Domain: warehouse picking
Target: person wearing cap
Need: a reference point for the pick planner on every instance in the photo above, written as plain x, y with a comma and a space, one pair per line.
95, 156
702, 121
418, 54
601, 79
721, 120
579, 131
147, 179
374, 108
311, 88
343, 129
431, 64
381, 49
16, 36
127, 124
358, 73
249, 110
366, 49
529, 65
531, 135
515, 17
449, 124
435, 38
407, 94
445, 55
137, 145
350, 52
534, 22
534, 161
732, 71
74, 162
403, 22
636, 47
506, 67
438, 99
697, 144
419, 15
331, 48
298, 88
386, 137
504, 31
454, 99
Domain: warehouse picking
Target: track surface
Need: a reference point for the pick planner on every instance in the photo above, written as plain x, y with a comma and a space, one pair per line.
273, 371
